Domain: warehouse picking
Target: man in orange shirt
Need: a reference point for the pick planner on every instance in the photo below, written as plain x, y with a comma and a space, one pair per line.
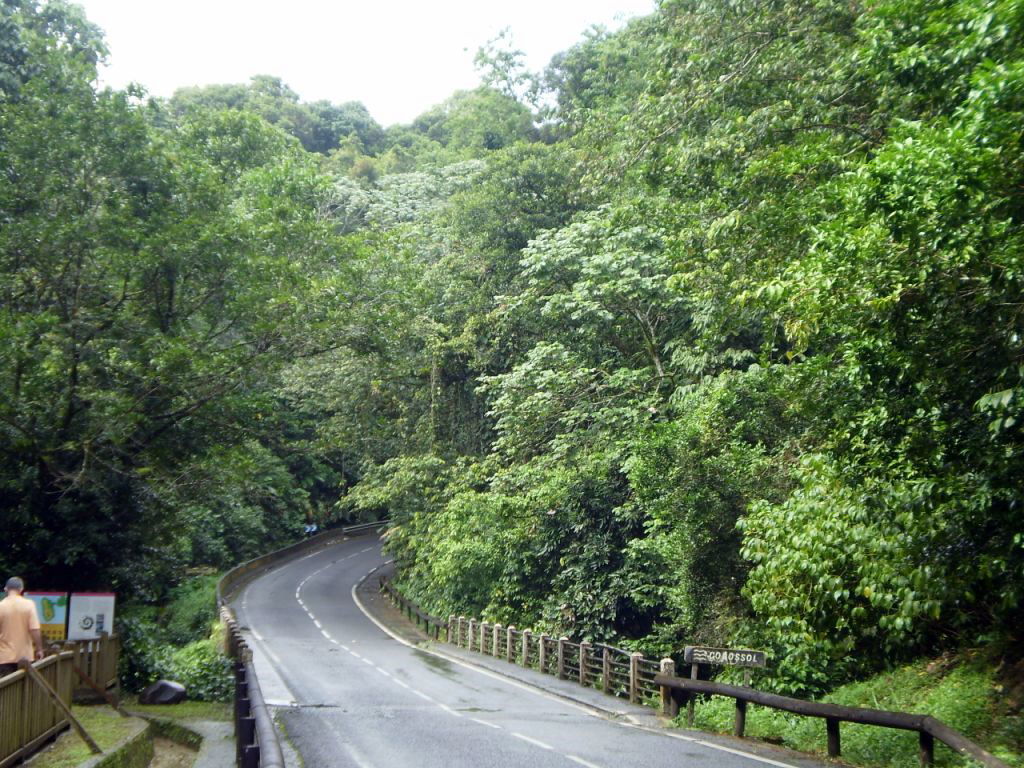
19, 628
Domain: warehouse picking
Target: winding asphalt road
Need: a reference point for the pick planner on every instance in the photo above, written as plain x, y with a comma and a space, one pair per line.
351, 694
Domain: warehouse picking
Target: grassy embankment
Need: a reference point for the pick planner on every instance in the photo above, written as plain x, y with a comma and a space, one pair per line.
968, 693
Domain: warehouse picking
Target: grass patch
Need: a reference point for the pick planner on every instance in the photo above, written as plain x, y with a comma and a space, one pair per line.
187, 710
964, 694
102, 723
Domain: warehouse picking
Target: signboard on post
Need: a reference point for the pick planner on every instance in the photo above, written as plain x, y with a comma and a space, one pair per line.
52, 610
91, 615
733, 657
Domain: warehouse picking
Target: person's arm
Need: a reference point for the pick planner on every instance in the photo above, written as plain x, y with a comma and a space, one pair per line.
37, 639
34, 631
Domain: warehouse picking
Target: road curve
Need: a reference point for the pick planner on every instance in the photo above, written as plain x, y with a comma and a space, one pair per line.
351, 695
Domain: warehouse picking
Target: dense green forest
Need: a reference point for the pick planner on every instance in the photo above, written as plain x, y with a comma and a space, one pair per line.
711, 331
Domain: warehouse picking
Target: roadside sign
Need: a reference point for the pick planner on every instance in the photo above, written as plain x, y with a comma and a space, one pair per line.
52, 610
733, 657
91, 614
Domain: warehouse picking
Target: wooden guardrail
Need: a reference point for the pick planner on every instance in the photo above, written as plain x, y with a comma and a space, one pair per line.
95, 665
621, 673
29, 716
256, 740
680, 690
614, 671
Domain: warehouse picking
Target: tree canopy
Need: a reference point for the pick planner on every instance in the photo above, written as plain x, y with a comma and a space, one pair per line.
711, 330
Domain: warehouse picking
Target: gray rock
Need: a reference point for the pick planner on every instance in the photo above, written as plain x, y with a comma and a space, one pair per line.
163, 692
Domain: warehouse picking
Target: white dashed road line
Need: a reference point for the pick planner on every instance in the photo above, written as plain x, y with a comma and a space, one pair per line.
535, 742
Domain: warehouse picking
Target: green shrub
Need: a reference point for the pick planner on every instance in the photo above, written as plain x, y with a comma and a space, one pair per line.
203, 670
191, 610
144, 655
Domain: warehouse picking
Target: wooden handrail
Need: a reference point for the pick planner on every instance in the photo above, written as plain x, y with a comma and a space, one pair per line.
926, 725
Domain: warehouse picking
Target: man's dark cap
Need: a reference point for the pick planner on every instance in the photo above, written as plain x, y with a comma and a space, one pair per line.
15, 583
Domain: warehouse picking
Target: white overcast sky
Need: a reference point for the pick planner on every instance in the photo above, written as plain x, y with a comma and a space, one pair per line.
398, 57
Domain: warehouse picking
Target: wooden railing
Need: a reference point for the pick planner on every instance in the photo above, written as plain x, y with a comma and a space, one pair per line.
680, 690
97, 661
621, 673
614, 671
28, 717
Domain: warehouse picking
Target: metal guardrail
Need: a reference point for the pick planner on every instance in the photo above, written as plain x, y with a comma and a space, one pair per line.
256, 741
241, 574
928, 728
256, 738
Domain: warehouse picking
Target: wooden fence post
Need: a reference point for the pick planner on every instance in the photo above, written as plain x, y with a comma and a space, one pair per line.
634, 676
482, 648
472, 634
459, 632
509, 637
584, 660
561, 657
926, 748
690, 699
497, 640
832, 731
668, 704
606, 670
542, 651
526, 647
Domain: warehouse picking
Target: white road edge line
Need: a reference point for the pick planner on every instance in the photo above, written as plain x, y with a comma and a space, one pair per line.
484, 722
546, 695
582, 762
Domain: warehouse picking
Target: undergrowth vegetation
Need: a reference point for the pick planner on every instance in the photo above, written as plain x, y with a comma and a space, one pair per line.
965, 692
182, 641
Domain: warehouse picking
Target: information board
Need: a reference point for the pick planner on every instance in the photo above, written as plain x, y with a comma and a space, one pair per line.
52, 610
733, 657
90, 615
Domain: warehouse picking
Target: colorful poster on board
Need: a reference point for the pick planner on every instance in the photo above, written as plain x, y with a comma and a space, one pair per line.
90, 615
52, 610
